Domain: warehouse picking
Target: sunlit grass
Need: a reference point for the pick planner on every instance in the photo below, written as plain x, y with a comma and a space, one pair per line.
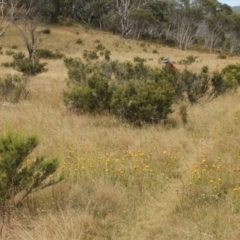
157, 182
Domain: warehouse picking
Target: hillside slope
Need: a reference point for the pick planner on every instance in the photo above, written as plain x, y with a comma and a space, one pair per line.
123, 182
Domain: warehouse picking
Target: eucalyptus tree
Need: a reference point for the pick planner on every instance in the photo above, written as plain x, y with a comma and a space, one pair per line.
123, 9
7, 10
142, 20
216, 22
186, 18
86, 10
233, 32
29, 19
159, 20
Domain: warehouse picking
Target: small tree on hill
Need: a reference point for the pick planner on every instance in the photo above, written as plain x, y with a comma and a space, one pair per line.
20, 176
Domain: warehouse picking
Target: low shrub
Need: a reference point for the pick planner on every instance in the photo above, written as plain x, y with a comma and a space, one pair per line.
142, 102
45, 53
9, 52
223, 83
91, 97
46, 30
107, 55
100, 47
20, 176
138, 93
189, 60
232, 70
139, 59
90, 55
79, 41
14, 47
222, 56
26, 66
13, 88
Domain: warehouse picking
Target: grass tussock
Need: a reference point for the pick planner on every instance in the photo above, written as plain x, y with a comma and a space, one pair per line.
166, 181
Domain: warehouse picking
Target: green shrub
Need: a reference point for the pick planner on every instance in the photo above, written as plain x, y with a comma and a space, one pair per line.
90, 97
189, 60
7, 64
155, 51
138, 93
27, 67
14, 47
9, 52
232, 70
107, 55
100, 47
222, 83
46, 30
20, 176
194, 85
183, 112
222, 56
76, 70
79, 41
90, 55
13, 88
142, 102
45, 53
97, 41
139, 60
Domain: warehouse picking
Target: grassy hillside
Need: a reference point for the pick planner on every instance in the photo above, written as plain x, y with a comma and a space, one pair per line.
166, 181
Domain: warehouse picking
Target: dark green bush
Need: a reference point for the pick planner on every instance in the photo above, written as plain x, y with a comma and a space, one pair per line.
232, 70
100, 47
13, 88
20, 176
222, 56
188, 60
139, 60
46, 30
45, 53
142, 102
14, 47
79, 41
76, 70
26, 66
7, 64
90, 55
195, 85
222, 83
90, 97
107, 55
139, 93
9, 52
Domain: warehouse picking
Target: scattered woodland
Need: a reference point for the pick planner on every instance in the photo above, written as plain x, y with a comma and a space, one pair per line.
99, 139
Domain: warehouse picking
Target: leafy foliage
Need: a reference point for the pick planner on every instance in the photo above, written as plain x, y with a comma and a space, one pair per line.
138, 93
46, 30
25, 65
189, 60
45, 53
90, 97
142, 102
18, 175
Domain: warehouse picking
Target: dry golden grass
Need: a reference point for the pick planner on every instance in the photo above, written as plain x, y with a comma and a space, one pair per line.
135, 205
